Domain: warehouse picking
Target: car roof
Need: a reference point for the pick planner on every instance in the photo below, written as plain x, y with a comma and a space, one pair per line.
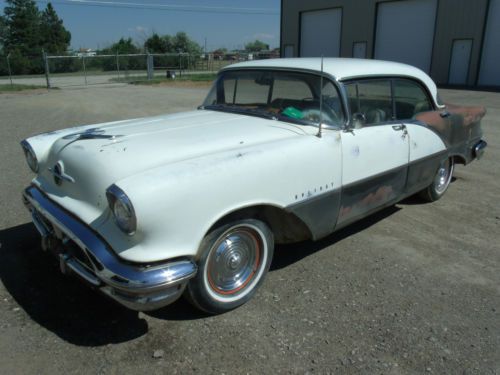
345, 68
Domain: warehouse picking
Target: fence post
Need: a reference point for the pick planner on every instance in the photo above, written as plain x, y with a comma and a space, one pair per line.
117, 65
149, 62
84, 69
8, 68
47, 70
180, 65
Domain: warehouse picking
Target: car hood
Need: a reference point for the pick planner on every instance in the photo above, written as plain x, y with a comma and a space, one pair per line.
99, 156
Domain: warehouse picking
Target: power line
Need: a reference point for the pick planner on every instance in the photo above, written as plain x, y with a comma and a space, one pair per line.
164, 7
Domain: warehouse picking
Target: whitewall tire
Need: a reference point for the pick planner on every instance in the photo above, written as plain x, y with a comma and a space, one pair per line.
234, 260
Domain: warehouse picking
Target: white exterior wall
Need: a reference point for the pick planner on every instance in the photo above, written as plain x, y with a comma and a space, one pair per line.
405, 32
489, 73
320, 33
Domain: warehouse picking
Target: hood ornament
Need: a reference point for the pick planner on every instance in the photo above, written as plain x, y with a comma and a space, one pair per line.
93, 133
59, 174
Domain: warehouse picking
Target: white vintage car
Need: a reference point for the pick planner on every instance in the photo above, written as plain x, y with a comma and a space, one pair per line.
281, 150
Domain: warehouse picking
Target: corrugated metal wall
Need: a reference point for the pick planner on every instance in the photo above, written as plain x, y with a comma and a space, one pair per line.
456, 19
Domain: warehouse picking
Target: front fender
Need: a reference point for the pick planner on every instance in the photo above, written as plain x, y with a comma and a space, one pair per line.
176, 204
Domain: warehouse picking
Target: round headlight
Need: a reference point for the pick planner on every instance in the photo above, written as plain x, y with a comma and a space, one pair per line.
122, 209
30, 156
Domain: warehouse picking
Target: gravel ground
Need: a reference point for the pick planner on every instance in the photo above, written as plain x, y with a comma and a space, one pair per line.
413, 289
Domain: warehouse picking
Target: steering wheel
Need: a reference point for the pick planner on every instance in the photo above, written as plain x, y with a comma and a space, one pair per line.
314, 115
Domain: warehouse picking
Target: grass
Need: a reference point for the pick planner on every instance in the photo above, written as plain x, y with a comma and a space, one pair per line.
16, 87
142, 80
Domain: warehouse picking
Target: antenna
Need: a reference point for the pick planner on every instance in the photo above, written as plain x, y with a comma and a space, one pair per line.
320, 101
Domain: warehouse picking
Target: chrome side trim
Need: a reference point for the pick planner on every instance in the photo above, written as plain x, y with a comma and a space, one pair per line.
318, 212
136, 281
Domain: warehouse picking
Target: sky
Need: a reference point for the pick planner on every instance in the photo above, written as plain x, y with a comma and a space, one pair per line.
224, 23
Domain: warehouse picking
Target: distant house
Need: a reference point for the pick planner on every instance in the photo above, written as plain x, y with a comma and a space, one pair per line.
267, 54
85, 52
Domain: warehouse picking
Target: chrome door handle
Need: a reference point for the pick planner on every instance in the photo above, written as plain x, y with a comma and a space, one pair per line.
399, 127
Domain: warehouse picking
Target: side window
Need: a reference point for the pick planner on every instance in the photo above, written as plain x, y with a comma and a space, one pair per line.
410, 98
371, 100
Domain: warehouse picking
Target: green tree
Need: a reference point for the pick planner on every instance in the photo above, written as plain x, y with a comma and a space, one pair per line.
24, 32
54, 36
159, 44
3, 32
22, 21
178, 43
124, 47
182, 43
256, 46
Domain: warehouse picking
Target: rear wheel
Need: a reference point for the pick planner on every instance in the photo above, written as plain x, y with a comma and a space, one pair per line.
440, 183
234, 260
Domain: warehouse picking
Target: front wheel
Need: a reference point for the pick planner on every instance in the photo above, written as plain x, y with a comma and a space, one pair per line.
233, 262
440, 183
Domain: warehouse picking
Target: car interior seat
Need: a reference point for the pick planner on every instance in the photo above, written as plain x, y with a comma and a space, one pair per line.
375, 115
421, 106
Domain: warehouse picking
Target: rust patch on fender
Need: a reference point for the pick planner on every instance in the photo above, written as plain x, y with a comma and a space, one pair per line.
457, 125
458, 115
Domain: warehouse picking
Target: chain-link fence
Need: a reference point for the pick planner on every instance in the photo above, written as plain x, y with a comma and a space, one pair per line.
84, 70
17, 69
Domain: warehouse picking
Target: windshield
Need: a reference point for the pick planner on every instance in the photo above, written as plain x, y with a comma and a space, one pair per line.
287, 96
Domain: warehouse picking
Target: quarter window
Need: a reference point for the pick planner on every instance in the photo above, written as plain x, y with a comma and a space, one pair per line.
410, 99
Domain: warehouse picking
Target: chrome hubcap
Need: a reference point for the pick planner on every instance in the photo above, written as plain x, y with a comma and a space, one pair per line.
443, 177
234, 260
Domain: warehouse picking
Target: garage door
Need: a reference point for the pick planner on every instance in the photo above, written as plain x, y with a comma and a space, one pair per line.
489, 74
320, 33
405, 32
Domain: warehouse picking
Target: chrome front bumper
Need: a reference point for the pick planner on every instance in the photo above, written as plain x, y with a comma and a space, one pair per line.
84, 253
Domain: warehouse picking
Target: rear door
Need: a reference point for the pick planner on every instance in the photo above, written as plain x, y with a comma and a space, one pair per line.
374, 154
426, 146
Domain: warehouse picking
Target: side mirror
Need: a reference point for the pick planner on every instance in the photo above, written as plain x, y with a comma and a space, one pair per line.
358, 120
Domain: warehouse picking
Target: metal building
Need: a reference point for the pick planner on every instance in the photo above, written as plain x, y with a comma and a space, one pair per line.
456, 41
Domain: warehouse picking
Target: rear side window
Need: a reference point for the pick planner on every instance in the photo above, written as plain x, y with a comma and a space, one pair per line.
410, 99
371, 99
